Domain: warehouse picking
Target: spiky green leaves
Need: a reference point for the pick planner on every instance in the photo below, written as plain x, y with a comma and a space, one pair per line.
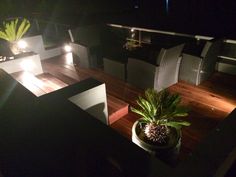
161, 108
177, 124
13, 31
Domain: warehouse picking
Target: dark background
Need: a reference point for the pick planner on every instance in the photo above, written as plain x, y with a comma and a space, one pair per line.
202, 17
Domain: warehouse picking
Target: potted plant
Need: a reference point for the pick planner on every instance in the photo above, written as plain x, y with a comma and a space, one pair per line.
158, 131
131, 44
13, 32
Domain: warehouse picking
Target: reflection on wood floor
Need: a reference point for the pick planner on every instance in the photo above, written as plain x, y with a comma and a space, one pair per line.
209, 102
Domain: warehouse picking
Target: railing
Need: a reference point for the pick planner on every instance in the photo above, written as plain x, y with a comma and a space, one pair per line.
53, 33
56, 28
227, 51
198, 37
150, 30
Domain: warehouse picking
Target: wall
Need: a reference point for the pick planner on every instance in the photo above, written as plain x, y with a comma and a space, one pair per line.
35, 44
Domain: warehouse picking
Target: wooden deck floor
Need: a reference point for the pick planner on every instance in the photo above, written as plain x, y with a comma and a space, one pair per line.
209, 102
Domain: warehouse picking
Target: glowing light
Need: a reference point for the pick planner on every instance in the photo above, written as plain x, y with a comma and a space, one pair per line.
132, 30
22, 44
27, 65
69, 58
67, 48
28, 78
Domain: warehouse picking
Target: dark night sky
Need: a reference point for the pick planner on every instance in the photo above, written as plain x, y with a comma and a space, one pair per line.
207, 17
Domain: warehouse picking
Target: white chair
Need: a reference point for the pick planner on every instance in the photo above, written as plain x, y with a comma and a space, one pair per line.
85, 42
196, 68
87, 56
160, 76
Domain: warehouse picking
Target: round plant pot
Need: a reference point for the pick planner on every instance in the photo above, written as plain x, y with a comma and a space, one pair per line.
14, 48
167, 152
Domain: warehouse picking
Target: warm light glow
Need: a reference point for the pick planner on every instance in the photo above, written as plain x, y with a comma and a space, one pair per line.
69, 58
28, 79
27, 65
67, 48
225, 105
22, 44
132, 30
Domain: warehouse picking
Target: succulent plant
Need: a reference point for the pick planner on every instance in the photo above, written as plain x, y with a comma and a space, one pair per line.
12, 31
156, 133
159, 111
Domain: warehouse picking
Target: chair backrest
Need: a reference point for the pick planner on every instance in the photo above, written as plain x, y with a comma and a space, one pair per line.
210, 57
206, 48
141, 73
86, 35
82, 53
198, 63
168, 61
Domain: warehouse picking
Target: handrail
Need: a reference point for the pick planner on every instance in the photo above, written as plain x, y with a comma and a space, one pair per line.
150, 30
230, 41
227, 58
198, 37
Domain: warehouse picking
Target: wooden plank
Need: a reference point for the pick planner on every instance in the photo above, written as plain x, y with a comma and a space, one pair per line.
51, 68
124, 124
203, 96
51, 80
209, 102
116, 108
66, 79
26, 81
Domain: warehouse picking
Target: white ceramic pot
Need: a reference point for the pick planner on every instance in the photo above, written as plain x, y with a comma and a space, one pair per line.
169, 151
14, 48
